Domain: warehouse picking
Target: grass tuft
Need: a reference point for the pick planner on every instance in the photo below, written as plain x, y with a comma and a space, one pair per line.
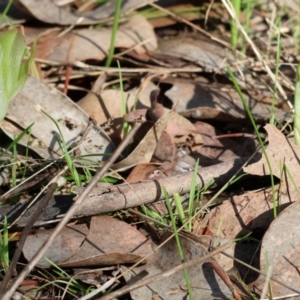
4, 250
180, 251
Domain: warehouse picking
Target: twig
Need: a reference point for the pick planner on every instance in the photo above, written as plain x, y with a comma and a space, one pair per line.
262, 273
198, 28
25, 233
199, 240
27, 185
224, 276
92, 122
35, 199
69, 214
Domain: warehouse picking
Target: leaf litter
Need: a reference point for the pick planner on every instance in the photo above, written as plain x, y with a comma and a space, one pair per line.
186, 110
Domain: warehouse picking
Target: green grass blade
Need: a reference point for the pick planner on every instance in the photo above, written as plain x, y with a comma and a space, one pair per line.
17, 139
152, 214
278, 56
66, 154
297, 108
123, 102
114, 33
192, 193
180, 209
4, 251
180, 251
249, 114
233, 26
5, 11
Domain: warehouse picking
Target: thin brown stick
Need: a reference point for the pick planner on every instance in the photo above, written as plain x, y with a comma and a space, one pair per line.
224, 276
233, 135
27, 185
84, 135
199, 240
262, 273
25, 233
182, 20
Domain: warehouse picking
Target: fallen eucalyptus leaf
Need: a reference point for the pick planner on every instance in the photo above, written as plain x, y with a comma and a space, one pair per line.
27, 108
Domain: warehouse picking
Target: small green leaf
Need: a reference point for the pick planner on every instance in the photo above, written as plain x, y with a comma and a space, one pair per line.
13, 70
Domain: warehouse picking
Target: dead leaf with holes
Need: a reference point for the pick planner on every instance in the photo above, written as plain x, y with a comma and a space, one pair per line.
177, 126
107, 105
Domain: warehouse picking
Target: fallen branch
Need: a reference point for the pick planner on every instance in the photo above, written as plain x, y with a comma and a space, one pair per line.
103, 200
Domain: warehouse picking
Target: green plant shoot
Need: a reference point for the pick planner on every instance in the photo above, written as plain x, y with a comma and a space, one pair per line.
13, 70
4, 249
297, 108
234, 29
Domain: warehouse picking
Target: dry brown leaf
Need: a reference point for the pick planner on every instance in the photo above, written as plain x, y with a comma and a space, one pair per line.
47, 11
200, 50
108, 105
240, 215
243, 214
216, 150
280, 152
141, 172
205, 283
165, 150
177, 126
110, 242
63, 247
206, 241
145, 149
207, 101
280, 253
246, 213
27, 109
86, 44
